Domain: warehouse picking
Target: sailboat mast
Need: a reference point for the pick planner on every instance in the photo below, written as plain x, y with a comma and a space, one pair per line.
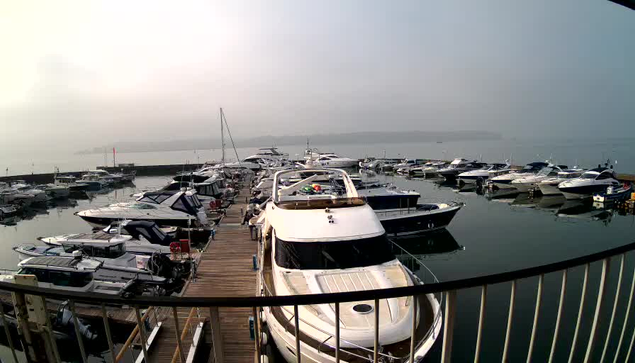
222, 137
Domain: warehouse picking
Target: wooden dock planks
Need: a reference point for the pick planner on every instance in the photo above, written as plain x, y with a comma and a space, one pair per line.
225, 269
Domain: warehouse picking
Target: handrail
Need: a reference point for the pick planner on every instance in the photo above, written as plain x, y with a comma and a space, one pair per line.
310, 299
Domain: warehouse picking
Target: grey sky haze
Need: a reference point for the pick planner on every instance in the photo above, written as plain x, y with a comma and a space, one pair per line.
86, 73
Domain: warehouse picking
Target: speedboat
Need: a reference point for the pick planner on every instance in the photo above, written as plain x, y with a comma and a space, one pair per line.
319, 243
530, 182
549, 186
593, 181
405, 165
101, 176
481, 175
21, 187
458, 166
179, 209
140, 237
71, 183
427, 170
505, 181
422, 218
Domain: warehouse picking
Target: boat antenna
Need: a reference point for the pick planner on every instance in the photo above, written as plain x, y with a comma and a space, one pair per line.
230, 135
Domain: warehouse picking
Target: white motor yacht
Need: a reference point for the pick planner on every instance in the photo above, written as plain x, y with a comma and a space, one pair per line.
459, 166
481, 175
179, 209
505, 181
530, 182
267, 154
320, 243
593, 181
331, 160
549, 186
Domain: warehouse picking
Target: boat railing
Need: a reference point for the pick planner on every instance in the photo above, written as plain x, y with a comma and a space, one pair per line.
602, 330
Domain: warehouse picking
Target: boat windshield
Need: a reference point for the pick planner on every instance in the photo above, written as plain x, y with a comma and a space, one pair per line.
589, 175
545, 171
112, 251
142, 206
333, 254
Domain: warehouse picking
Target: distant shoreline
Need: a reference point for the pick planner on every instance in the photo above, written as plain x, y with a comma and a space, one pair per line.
320, 139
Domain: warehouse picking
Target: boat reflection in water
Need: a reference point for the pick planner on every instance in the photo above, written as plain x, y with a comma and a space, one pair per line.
585, 210
550, 202
502, 195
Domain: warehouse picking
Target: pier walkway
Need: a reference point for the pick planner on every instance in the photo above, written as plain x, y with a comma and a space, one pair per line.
225, 269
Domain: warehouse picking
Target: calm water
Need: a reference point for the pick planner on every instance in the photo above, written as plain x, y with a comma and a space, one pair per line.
585, 153
485, 237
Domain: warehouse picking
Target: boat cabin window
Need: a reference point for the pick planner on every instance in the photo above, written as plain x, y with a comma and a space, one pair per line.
589, 175
604, 176
333, 254
185, 204
113, 251
59, 278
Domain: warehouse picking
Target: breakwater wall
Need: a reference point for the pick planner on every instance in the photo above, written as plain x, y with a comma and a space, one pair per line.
141, 170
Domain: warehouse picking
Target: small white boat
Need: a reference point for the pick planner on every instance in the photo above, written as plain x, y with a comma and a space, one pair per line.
591, 182
549, 186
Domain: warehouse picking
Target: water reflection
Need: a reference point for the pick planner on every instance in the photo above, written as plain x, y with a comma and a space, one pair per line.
585, 209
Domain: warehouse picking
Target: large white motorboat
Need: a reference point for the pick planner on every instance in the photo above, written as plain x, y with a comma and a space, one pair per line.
481, 175
320, 243
505, 181
180, 209
549, 186
530, 182
593, 181
331, 160
265, 155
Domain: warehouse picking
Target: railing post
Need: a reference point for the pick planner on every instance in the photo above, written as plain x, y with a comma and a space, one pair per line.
580, 310
534, 329
296, 317
142, 334
376, 345
179, 343
481, 324
615, 303
563, 290
626, 316
257, 333
337, 332
5, 324
217, 338
111, 346
414, 328
77, 332
448, 331
599, 307
510, 319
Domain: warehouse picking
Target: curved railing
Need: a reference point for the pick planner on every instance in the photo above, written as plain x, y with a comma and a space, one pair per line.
448, 289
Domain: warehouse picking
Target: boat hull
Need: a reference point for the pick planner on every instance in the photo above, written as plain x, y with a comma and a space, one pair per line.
414, 221
101, 222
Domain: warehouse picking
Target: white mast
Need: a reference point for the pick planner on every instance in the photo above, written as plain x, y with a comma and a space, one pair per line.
222, 137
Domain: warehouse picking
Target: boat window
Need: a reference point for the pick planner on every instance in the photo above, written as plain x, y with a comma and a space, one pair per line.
193, 200
179, 205
589, 175
41, 275
604, 176
155, 198
333, 254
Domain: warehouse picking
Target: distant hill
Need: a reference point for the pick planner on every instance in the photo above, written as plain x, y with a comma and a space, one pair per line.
320, 139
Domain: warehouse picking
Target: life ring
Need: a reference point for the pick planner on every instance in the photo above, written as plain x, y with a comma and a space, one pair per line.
175, 247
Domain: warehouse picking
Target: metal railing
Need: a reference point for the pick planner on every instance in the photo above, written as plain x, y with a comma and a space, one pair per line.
580, 346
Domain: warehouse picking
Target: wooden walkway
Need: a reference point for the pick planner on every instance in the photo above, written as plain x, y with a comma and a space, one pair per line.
225, 269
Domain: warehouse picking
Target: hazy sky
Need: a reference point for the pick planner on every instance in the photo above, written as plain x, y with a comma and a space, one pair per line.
86, 73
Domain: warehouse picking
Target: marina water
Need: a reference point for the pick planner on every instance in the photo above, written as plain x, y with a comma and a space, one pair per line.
486, 236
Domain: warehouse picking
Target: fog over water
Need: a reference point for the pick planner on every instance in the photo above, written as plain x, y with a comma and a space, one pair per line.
76, 74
